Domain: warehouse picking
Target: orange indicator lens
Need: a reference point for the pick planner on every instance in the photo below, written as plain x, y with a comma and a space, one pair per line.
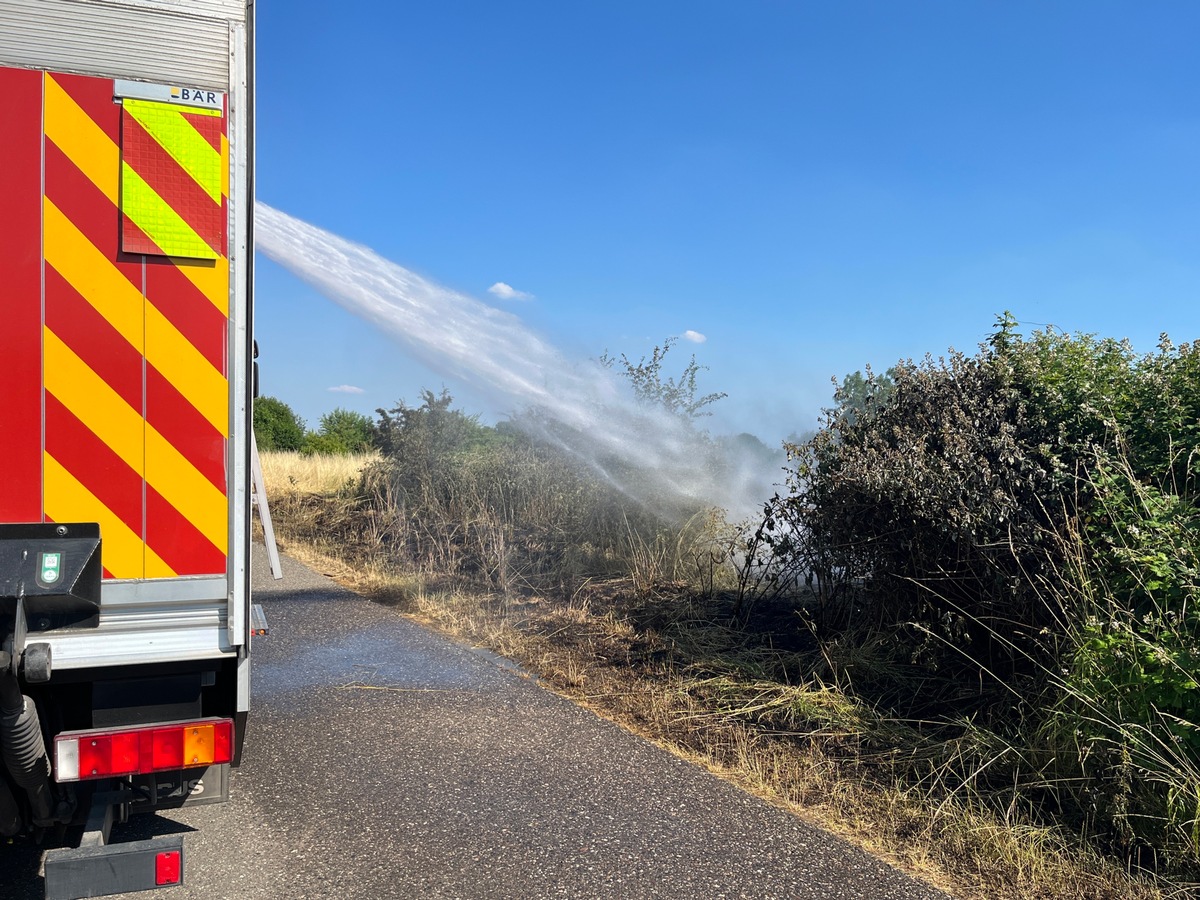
198, 745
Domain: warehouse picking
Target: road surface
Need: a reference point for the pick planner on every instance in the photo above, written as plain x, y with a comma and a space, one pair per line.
384, 760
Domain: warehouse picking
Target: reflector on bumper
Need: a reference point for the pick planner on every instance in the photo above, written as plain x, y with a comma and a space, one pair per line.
114, 869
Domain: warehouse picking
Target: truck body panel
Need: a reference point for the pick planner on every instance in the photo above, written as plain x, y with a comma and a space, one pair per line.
126, 252
124, 393
148, 40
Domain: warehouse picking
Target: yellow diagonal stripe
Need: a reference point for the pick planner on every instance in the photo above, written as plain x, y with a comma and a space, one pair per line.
177, 360
195, 110
158, 219
166, 124
224, 166
169, 472
121, 304
155, 567
93, 401
92, 274
212, 279
123, 430
67, 500
82, 140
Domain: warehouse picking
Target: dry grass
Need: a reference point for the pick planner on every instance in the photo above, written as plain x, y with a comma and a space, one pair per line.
639, 678
288, 472
662, 664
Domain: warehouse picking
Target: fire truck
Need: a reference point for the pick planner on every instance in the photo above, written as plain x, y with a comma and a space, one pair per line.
126, 382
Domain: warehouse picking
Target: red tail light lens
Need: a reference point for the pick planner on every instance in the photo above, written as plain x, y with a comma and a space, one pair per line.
105, 753
166, 749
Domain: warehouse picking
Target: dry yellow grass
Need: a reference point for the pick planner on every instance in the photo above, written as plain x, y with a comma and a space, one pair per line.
658, 681
289, 472
588, 652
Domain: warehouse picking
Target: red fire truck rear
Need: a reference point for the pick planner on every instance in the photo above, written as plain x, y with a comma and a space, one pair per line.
126, 379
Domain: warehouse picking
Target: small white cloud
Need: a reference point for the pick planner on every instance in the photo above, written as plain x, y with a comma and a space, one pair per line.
508, 292
346, 389
694, 336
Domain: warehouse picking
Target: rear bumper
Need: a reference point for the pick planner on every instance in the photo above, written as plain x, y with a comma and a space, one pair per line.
96, 871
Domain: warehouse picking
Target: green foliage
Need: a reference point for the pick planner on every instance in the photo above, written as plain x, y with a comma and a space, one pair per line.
341, 432
1084, 392
1013, 537
276, 426
675, 395
1139, 655
430, 439
860, 394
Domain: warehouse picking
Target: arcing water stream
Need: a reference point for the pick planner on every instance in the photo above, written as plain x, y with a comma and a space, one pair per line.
490, 349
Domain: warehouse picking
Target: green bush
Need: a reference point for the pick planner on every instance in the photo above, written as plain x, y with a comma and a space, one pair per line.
491, 506
276, 426
1139, 653
1122, 722
932, 497
341, 432
1011, 539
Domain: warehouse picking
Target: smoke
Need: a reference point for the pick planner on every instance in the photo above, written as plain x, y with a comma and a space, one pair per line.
579, 404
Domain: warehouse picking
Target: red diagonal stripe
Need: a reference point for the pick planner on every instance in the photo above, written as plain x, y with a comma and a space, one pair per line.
96, 467
177, 541
208, 127
178, 189
95, 97
97, 343
184, 428
86, 206
189, 310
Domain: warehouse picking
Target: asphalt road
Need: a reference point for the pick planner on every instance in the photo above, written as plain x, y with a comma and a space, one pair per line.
385, 761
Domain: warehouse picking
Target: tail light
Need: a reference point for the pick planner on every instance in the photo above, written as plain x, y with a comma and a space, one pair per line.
109, 752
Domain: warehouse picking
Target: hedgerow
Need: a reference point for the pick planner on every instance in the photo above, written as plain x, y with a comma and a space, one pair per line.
1010, 540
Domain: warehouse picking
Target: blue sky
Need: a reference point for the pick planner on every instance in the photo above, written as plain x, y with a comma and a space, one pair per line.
809, 186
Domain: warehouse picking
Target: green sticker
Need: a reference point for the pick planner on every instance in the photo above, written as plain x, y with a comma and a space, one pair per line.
51, 563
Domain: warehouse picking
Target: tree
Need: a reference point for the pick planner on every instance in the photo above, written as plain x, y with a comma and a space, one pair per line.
859, 394
341, 431
276, 426
430, 433
675, 396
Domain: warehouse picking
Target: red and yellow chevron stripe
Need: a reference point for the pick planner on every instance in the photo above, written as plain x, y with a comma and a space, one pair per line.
172, 200
124, 354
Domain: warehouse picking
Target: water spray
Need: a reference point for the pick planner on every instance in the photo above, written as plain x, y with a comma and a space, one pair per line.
582, 406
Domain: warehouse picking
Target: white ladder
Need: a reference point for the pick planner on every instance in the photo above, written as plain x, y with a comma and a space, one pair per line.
259, 500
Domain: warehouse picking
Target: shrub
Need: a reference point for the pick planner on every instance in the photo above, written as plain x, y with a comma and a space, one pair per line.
276, 426
1122, 715
1011, 540
341, 432
937, 495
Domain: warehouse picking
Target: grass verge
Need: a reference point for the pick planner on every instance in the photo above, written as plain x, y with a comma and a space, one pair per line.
663, 665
